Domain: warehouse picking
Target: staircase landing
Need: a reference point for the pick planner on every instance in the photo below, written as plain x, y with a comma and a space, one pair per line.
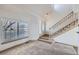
45, 38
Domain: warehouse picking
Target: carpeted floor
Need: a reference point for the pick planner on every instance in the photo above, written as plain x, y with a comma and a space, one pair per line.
40, 48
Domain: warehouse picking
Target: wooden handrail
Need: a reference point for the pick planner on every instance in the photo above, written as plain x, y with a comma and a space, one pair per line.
62, 20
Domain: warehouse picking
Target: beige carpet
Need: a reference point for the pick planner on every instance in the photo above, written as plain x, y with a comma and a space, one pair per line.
40, 48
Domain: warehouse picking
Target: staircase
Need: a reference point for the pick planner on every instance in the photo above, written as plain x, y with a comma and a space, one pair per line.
67, 23
45, 38
65, 29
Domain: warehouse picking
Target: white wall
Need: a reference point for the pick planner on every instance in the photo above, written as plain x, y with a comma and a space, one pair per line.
70, 37
15, 13
59, 11
76, 7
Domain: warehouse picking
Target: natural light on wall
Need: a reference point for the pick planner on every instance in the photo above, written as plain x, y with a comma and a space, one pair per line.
57, 7
62, 7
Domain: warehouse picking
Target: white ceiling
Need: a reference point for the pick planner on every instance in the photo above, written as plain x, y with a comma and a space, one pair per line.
35, 9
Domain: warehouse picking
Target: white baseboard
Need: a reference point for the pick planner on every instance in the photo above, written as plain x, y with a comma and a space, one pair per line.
12, 44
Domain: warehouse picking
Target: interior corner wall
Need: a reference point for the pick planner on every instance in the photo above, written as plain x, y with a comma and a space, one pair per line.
34, 28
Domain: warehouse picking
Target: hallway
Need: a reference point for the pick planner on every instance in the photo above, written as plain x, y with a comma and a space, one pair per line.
40, 48
39, 29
